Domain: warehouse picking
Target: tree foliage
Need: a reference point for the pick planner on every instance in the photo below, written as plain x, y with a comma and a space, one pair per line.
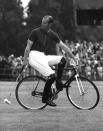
13, 33
11, 18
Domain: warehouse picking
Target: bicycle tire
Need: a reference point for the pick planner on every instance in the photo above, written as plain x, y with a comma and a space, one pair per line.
29, 92
88, 99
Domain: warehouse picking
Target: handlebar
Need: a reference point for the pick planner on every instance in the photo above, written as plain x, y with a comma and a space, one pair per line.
75, 67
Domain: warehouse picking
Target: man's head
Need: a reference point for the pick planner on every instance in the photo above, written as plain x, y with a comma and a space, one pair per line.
47, 19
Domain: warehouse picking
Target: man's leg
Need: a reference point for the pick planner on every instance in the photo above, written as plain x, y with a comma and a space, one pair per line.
40, 62
60, 61
60, 69
43, 66
47, 90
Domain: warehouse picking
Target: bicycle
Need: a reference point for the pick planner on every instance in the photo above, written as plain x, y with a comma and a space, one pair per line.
81, 92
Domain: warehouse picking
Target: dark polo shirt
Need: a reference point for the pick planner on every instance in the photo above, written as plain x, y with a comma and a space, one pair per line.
44, 41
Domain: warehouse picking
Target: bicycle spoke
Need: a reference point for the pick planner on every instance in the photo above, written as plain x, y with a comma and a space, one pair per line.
29, 92
83, 94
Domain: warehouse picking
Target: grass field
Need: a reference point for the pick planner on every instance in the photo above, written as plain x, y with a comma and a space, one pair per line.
64, 117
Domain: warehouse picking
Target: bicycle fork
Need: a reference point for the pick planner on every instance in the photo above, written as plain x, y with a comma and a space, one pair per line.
80, 85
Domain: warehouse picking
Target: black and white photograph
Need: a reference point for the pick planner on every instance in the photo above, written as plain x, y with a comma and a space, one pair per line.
51, 65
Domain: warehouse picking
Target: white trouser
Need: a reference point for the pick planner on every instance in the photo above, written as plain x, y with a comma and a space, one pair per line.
41, 62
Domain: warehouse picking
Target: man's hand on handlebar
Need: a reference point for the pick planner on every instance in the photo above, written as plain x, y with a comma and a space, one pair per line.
75, 63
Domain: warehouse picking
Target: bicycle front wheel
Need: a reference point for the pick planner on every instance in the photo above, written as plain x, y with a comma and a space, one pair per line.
83, 93
29, 92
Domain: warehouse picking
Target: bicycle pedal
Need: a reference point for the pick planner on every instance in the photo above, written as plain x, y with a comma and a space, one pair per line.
54, 97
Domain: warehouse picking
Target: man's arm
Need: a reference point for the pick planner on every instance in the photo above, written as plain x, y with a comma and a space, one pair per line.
27, 51
67, 50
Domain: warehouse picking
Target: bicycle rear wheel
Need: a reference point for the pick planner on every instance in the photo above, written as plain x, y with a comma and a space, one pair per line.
29, 92
83, 93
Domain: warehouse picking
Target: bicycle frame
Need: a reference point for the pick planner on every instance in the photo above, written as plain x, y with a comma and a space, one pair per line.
75, 75
66, 84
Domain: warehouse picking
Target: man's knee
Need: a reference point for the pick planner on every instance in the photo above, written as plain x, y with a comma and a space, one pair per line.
52, 77
62, 62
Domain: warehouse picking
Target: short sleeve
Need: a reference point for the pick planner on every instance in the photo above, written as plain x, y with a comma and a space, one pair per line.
55, 36
32, 36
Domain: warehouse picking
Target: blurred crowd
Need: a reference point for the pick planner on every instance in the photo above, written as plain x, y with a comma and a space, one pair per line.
10, 66
89, 53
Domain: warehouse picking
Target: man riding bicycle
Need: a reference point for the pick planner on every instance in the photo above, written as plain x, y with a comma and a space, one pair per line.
39, 55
